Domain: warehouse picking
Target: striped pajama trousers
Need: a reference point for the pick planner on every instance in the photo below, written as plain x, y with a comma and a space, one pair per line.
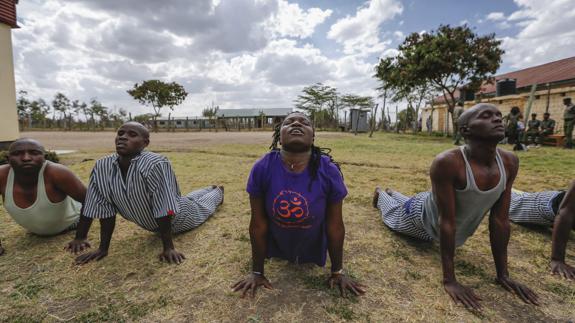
403, 214
534, 208
196, 208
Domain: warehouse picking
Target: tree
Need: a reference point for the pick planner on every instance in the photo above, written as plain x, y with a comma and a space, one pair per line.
158, 94
23, 107
62, 104
445, 60
97, 109
314, 99
39, 110
211, 112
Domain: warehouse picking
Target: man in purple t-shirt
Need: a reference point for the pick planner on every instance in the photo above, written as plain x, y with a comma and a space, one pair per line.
296, 196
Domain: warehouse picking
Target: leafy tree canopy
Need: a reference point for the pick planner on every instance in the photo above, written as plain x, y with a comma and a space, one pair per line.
158, 94
446, 59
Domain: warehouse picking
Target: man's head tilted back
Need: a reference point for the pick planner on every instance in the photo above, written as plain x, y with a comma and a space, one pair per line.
482, 121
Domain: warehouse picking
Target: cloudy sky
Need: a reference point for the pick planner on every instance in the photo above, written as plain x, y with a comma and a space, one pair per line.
254, 53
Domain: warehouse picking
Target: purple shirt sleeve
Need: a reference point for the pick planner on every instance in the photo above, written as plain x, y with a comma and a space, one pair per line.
256, 184
337, 191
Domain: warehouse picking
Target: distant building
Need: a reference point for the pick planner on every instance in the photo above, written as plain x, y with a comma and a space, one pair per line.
9, 115
229, 119
251, 118
186, 123
358, 120
554, 80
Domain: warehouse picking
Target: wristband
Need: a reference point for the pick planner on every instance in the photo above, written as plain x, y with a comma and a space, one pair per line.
339, 272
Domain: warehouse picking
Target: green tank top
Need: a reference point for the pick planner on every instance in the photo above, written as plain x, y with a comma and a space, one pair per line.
471, 204
42, 217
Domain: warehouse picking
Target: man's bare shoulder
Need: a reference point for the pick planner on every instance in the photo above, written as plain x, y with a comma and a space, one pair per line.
510, 160
58, 172
449, 157
4, 169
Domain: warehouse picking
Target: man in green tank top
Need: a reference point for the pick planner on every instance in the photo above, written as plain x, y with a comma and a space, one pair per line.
43, 197
467, 182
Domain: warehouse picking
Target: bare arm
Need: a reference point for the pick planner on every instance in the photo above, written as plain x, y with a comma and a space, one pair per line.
66, 181
335, 237
499, 232
106, 230
564, 222
169, 254
444, 180
258, 237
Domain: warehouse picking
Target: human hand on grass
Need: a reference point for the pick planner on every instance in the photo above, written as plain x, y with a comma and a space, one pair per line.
77, 245
562, 269
345, 283
526, 294
172, 256
252, 282
94, 255
463, 295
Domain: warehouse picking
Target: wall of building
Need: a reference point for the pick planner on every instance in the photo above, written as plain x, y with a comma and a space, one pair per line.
9, 116
505, 103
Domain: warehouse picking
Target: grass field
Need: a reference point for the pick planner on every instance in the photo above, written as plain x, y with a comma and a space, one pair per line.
38, 281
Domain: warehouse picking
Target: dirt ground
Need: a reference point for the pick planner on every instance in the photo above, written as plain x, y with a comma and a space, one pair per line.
178, 141
39, 283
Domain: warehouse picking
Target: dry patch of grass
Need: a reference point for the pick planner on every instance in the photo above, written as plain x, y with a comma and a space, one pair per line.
39, 283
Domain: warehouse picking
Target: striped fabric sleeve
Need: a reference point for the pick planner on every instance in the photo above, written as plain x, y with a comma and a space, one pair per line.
164, 190
97, 206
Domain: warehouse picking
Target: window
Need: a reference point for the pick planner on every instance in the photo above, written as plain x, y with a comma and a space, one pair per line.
178, 123
162, 123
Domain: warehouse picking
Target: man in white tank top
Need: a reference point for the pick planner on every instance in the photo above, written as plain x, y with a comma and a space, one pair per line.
467, 182
43, 197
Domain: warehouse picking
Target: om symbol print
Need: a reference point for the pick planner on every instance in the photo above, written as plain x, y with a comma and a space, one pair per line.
290, 209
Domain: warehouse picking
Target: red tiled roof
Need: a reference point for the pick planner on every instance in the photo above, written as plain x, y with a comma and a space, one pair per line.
560, 70
8, 12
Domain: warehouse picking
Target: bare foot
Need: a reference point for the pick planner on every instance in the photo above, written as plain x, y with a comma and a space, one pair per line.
376, 196
221, 187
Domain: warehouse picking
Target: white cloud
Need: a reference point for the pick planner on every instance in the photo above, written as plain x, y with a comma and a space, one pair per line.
547, 33
495, 16
359, 34
237, 53
291, 21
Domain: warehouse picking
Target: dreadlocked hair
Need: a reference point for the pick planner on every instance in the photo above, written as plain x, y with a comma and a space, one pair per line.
316, 153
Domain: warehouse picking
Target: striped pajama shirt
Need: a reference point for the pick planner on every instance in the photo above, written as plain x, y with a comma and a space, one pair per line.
403, 214
148, 192
533, 208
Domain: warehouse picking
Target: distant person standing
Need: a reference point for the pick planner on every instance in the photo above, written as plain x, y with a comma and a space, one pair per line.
569, 119
547, 126
511, 125
456, 114
429, 124
533, 126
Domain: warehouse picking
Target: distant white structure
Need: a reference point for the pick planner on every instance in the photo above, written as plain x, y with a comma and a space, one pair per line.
8, 113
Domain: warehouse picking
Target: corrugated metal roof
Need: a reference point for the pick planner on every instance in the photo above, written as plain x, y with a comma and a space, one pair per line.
552, 72
244, 113
8, 13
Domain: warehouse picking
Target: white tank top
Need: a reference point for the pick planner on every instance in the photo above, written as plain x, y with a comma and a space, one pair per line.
471, 204
42, 217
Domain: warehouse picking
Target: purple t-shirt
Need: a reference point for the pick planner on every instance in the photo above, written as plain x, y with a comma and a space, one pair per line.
296, 211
